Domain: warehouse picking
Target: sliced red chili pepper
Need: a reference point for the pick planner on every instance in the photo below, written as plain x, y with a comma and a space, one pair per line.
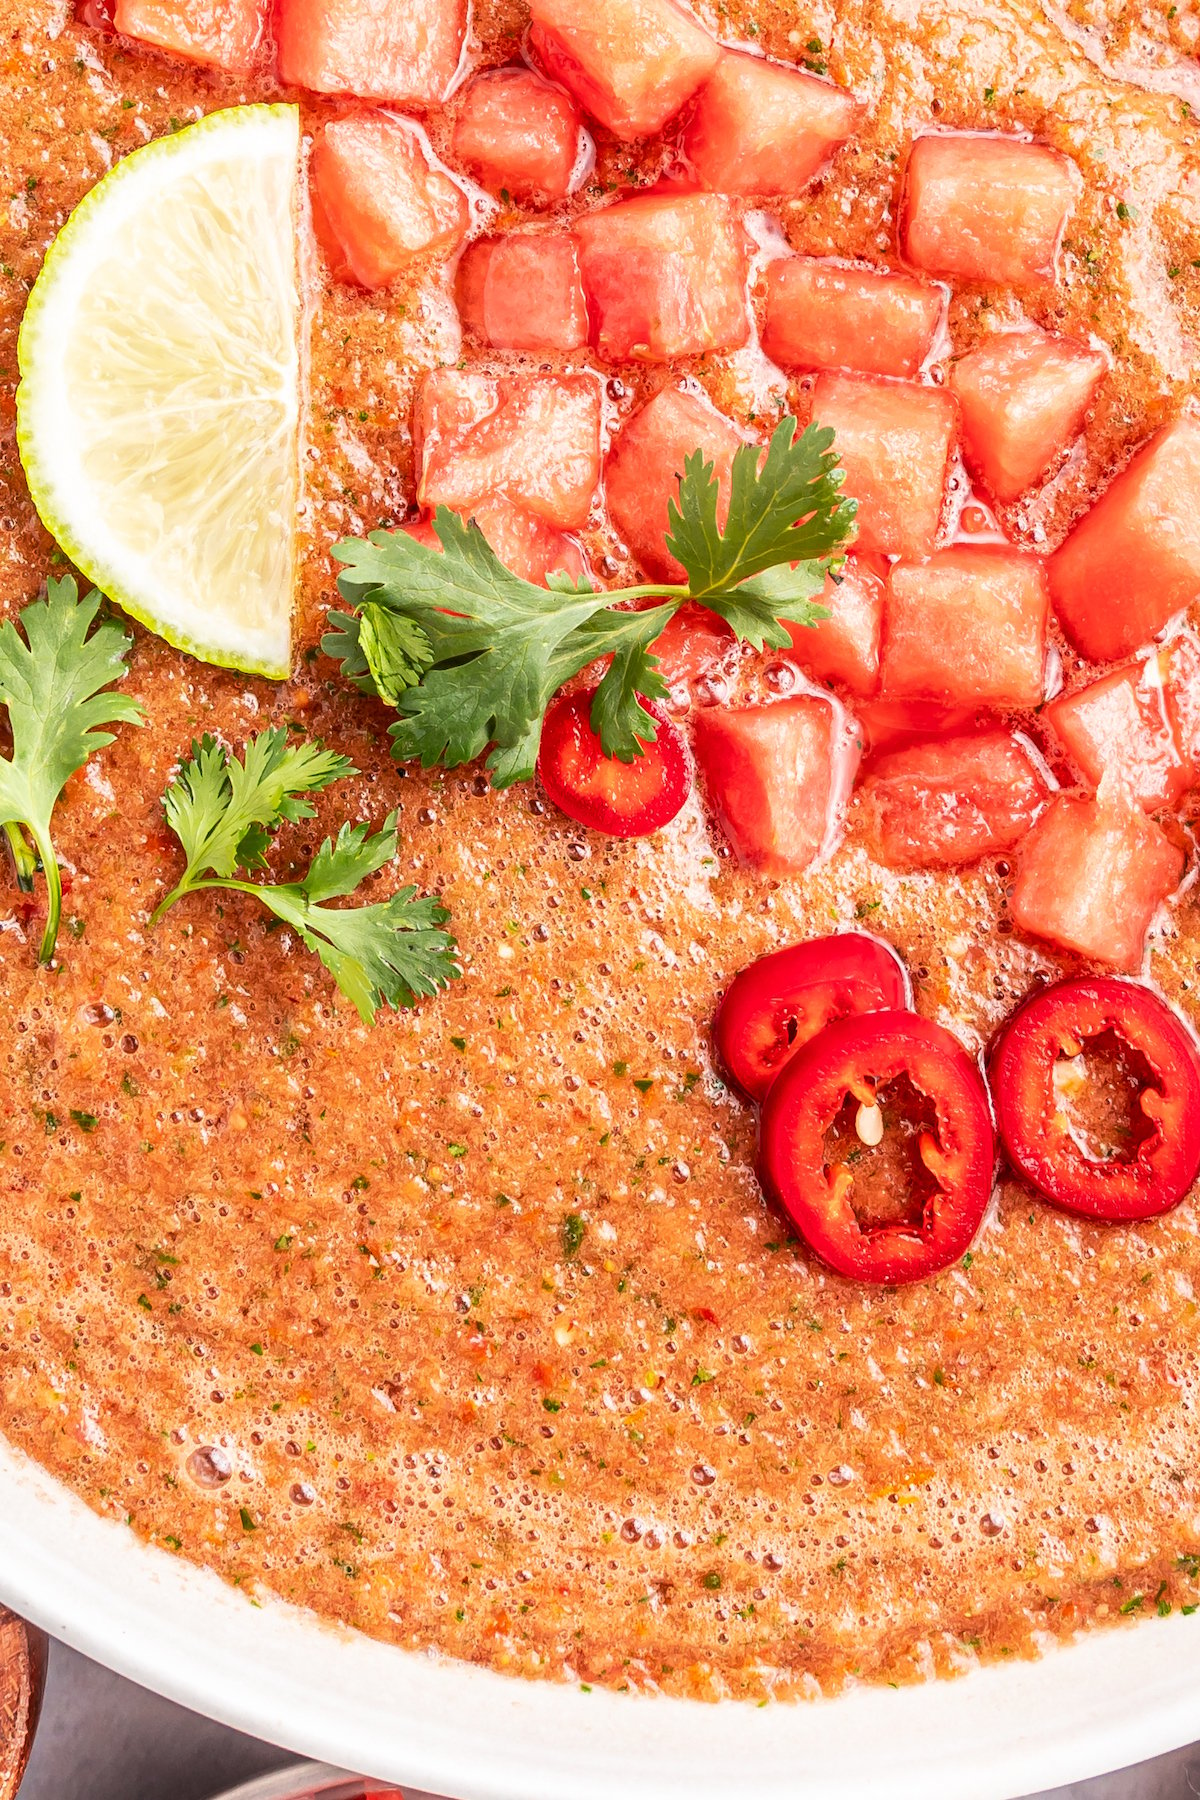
909, 1212
1157, 1065
773, 1007
624, 799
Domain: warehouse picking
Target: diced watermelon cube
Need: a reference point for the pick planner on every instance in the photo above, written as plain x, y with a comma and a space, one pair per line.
828, 315
631, 64
981, 207
533, 438
887, 724
695, 644
1091, 875
517, 134
524, 543
665, 276
221, 34
645, 463
942, 804
1024, 396
523, 292
1179, 671
379, 199
1133, 561
845, 647
762, 127
1117, 730
967, 627
776, 777
374, 49
894, 440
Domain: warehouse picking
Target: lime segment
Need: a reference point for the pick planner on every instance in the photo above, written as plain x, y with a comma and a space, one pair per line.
159, 405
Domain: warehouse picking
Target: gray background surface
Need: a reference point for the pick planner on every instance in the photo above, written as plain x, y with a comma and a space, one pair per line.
101, 1738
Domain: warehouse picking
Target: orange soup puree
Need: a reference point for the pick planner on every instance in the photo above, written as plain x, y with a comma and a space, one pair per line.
473, 1329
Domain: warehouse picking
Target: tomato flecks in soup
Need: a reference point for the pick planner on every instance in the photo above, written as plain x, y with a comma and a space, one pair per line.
504, 1264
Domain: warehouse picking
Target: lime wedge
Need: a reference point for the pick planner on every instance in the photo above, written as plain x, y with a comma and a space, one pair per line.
159, 405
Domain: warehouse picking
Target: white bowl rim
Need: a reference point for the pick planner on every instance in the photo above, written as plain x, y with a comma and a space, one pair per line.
285, 1783
1115, 1697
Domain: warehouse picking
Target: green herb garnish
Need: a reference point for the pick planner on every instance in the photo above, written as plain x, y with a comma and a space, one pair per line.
224, 812
470, 655
50, 683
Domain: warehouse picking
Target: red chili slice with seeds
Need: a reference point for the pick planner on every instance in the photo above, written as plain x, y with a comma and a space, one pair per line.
1127, 1147
624, 799
772, 1009
877, 1142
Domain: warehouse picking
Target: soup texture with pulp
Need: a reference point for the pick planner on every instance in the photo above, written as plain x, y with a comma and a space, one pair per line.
474, 1329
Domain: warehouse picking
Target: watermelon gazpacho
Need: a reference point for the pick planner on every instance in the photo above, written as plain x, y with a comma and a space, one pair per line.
937, 632
1133, 561
894, 440
644, 467
533, 438
1091, 874
967, 626
755, 461
777, 778
951, 800
1119, 729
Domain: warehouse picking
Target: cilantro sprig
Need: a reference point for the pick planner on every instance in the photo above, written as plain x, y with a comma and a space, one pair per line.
470, 655
55, 687
225, 812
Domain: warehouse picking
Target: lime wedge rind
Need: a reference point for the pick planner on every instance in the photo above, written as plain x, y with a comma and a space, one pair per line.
158, 410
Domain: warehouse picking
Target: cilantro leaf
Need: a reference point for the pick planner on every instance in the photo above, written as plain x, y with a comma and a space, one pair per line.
776, 599
494, 640
470, 655
784, 507
391, 950
344, 863
224, 811
54, 683
395, 650
618, 717
341, 642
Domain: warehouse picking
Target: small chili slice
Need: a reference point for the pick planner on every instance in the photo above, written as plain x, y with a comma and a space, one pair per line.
839, 1094
623, 799
1033, 1070
773, 1007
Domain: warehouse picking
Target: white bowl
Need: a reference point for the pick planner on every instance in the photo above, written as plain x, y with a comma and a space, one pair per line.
298, 1782
1112, 1699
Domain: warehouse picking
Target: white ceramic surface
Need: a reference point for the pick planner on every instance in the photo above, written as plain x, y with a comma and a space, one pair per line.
1113, 1699
302, 1781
